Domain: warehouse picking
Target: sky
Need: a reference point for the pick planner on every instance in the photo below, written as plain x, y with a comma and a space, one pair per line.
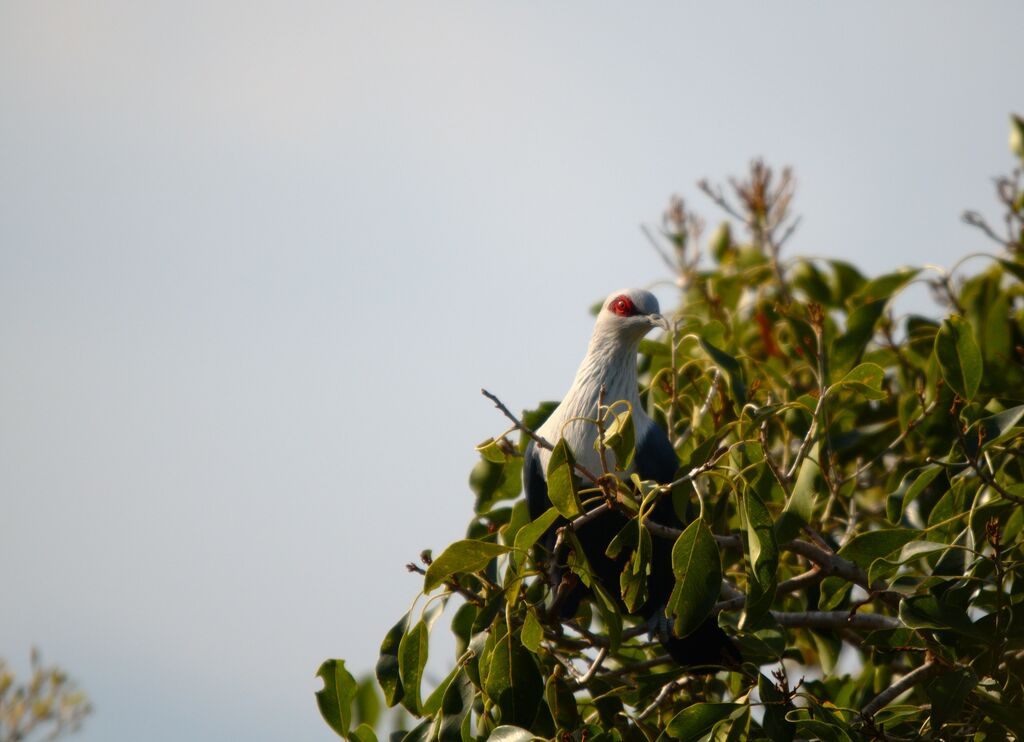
257, 260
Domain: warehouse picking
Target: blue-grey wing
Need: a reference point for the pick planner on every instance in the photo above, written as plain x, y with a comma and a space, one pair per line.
655, 457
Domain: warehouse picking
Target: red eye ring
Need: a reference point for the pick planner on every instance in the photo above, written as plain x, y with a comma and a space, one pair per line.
623, 306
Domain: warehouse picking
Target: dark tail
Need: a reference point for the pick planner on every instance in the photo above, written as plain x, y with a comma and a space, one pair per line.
706, 650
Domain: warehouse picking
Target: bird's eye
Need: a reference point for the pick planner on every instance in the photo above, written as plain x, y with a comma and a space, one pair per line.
622, 306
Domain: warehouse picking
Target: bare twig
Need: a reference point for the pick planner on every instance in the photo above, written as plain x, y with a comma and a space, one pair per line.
809, 438
666, 690
792, 585
835, 620
907, 682
594, 667
539, 440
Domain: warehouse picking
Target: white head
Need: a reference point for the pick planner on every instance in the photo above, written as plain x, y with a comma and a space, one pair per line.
628, 315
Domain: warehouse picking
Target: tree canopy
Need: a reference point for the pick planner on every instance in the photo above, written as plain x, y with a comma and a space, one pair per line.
854, 481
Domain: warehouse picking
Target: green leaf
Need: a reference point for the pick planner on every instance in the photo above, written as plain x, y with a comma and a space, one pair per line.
562, 481
633, 579
388, 674
959, 357
610, 615
433, 703
866, 379
1017, 269
528, 535
883, 287
412, 657
913, 484
860, 328
814, 729
1017, 135
870, 545
420, 733
763, 555
845, 280
697, 565
995, 429
513, 682
693, 722
364, 733
926, 612
561, 702
620, 437
367, 703
799, 508
509, 733
455, 708
733, 370
774, 722
462, 557
831, 592
491, 450
532, 632
335, 700
948, 693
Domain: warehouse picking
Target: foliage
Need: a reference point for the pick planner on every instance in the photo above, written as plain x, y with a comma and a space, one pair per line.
46, 707
859, 480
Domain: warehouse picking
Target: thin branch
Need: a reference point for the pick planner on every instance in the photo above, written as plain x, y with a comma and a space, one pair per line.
666, 690
808, 439
539, 440
890, 694
594, 667
792, 585
835, 620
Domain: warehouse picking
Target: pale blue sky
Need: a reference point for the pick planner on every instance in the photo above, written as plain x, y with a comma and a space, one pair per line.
257, 259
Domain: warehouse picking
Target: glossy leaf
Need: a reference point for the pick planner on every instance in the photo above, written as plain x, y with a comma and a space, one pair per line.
468, 555
412, 658
528, 535
866, 379
562, 481
763, 555
958, 356
509, 733
799, 510
871, 545
694, 722
533, 632
620, 437
388, 675
335, 699
732, 368
860, 328
697, 566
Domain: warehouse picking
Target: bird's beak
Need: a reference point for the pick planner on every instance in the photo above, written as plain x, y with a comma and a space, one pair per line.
657, 320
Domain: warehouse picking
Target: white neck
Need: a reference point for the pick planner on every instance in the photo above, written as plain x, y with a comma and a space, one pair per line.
610, 362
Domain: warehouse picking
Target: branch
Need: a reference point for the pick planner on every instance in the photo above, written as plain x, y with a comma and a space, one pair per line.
539, 440
792, 585
802, 451
890, 694
835, 620
601, 654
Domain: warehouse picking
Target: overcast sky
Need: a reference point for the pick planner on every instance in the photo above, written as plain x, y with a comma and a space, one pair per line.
256, 261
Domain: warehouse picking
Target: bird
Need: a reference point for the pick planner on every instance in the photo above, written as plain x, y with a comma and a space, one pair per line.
610, 369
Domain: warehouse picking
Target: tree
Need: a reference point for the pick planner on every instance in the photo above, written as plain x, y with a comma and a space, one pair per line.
859, 479
48, 706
